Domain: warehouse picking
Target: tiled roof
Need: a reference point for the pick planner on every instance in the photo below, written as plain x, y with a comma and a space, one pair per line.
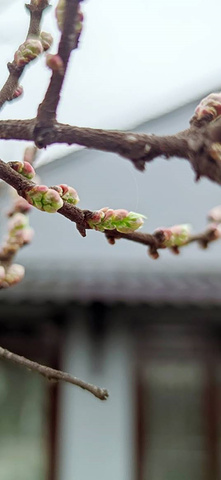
109, 286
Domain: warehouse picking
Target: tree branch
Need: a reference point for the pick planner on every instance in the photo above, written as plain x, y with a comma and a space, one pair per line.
194, 144
52, 374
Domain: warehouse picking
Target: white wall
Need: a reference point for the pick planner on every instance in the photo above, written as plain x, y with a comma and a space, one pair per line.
97, 438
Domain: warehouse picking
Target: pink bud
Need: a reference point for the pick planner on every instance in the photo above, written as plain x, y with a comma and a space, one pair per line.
215, 214
17, 221
30, 153
210, 105
24, 169
69, 194
55, 62
108, 214
18, 92
28, 171
24, 236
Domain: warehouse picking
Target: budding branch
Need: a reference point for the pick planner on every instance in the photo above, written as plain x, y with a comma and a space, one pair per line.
80, 217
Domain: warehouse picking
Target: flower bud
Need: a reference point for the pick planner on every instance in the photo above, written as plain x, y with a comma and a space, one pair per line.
14, 274
121, 220
210, 105
17, 222
28, 51
46, 40
175, 236
24, 169
20, 205
120, 214
30, 154
17, 92
215, 214
69, 194
130, 223
96, 218
44, 198
24, 236
55, 62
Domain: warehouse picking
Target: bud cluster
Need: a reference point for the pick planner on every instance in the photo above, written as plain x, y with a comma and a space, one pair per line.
19, 234
120, 220
175, 236
29, 50
44, 198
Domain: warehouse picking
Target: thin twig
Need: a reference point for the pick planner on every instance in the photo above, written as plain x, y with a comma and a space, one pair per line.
15, 72
52, 374
47, 109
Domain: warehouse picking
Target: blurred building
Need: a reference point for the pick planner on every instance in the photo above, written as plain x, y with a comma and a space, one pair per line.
149, 331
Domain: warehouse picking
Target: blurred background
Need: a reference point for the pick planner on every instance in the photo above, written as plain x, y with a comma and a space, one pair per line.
149, 331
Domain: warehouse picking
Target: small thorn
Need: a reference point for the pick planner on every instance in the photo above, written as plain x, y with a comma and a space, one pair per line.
81, 230
139, 165
197, 177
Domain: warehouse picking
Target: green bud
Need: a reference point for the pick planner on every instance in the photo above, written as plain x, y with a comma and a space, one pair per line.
121, 220
44, 198
28, 51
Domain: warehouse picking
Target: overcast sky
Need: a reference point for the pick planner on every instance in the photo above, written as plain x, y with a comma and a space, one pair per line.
136, 60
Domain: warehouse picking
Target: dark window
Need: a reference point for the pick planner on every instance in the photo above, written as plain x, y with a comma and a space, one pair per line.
23, 429
28, 404
179, 419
